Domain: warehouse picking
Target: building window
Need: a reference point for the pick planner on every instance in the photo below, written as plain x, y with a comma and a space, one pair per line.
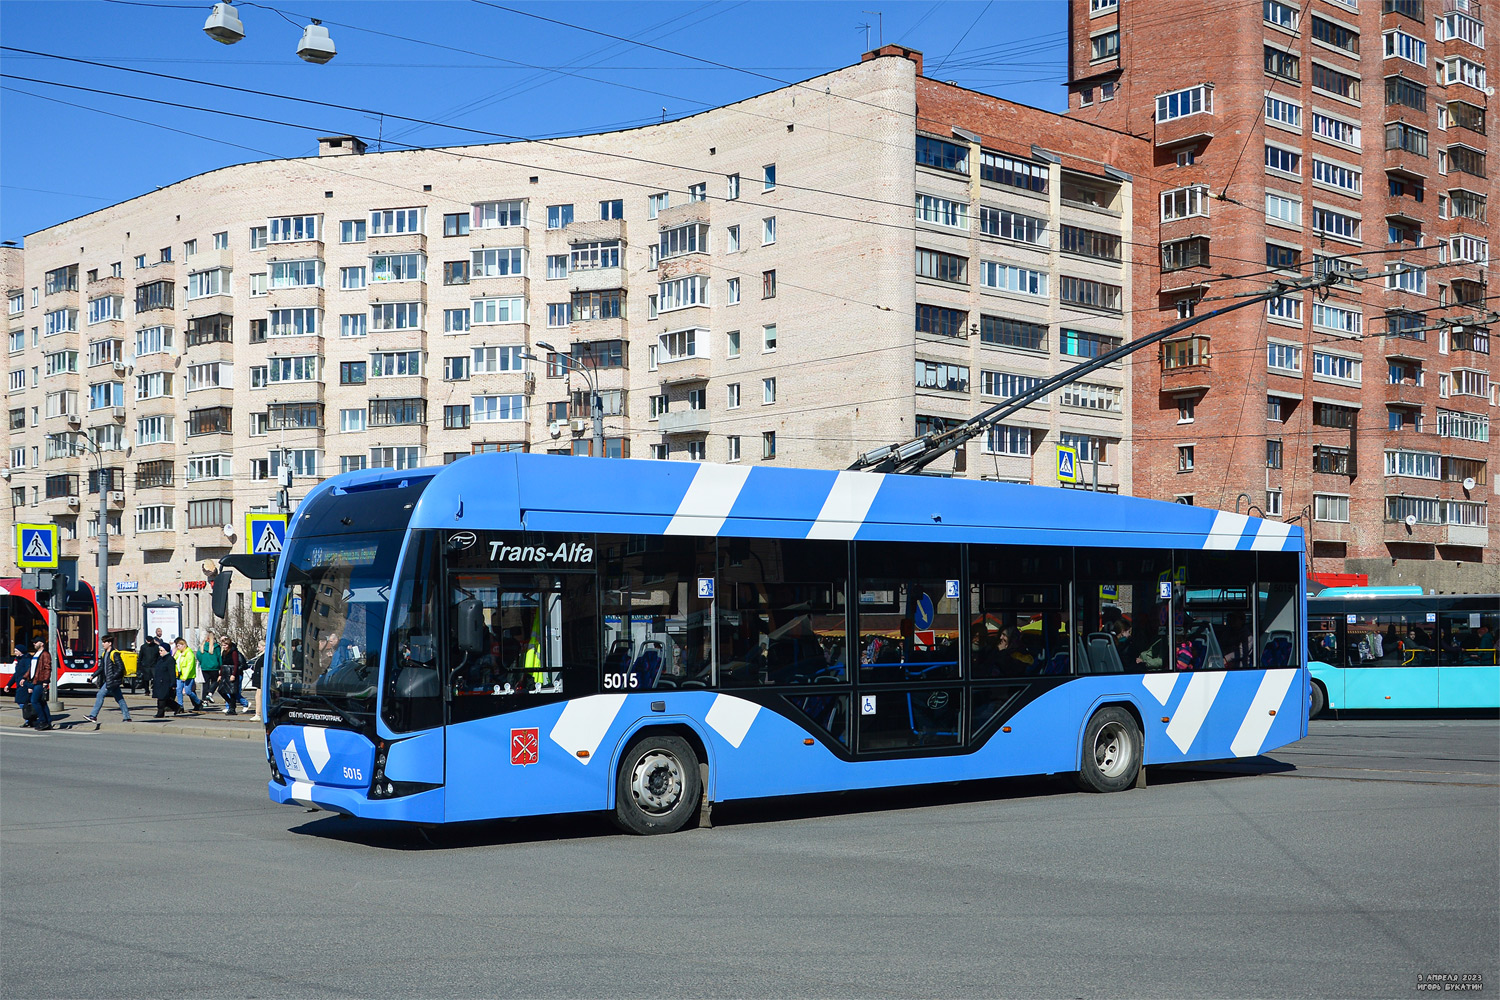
613, 208
1090, 294
258, 240
1082, 344
768, 338
1000, 331
1283, 64
1400, 90
488, 312
352, 278
768, 445
943, 266
1337, 175
1336, 130
352, 373
1104, 46
768, 390
1284, 357
1336, 224
941, 376
1283, 112
1281, 208
1274, 453
294, 228
1185, 203
559, 216
942, 322
1004, 440
1001, 169
1283, 15
676, 346
1283, 257
352, 231
1285, 160
656, 204
1330, 508
1330, 80
1400, 45
499, 214
1181, 254
1336, 366
1186, 408
455, 272
455, 320
1184, 458
1181, 103
697, 192
456, 418
768, 284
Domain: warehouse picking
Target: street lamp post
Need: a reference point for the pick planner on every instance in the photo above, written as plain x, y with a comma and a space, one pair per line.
596, 402
102, 594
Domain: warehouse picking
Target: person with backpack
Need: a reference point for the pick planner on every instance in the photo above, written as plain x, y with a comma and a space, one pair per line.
109, 677
231, 677
187, 672
210, 658
41, 675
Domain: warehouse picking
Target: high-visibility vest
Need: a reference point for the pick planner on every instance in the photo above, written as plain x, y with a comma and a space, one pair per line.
531, 662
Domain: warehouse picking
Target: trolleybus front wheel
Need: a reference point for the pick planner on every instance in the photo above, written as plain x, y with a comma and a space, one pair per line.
1317, 701
1111, 752
657, 788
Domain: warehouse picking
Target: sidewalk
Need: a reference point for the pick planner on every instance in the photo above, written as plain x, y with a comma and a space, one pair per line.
211, 721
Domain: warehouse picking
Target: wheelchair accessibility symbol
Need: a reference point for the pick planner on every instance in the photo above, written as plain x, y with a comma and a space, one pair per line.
867, 704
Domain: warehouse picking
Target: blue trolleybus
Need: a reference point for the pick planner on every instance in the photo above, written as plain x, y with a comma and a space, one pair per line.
519, 634
1392, 647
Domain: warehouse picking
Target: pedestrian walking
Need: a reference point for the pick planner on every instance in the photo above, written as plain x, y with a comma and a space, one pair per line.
20, 683
231, 678
145, 664
210, 658
109, 677
163, 679
41, 676
187, 672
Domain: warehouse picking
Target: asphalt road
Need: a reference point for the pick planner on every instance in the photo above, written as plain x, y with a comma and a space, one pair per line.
1351, 865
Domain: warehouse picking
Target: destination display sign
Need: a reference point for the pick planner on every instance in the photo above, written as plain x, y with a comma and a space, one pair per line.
538, 550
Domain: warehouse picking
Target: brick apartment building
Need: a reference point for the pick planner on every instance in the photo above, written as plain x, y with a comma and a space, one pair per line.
751, 284
1283, 133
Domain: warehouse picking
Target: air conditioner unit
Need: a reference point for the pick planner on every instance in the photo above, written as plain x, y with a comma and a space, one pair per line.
74, 420
73, 501
120, 367
117, 496
579, 425
119, 413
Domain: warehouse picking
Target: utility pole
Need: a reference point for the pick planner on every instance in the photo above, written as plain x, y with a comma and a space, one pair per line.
54, 610
106, 482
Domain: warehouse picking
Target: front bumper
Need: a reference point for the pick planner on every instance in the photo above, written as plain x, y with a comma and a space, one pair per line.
423, 807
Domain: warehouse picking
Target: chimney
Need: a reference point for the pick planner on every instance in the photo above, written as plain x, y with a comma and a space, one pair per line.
895, 50
340, 145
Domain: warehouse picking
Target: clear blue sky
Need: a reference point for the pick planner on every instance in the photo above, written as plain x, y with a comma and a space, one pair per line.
458, 62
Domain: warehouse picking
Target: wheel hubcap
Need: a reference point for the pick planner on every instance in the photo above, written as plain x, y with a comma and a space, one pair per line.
1111, 750
656, 782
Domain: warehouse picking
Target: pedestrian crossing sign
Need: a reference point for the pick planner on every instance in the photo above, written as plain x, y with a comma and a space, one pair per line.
264, 534
36, 546
1067, 464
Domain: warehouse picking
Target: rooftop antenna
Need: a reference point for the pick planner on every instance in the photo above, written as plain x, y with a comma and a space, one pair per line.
867, 26
880, 21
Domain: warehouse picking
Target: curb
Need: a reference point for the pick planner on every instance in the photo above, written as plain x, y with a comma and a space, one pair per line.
75, 722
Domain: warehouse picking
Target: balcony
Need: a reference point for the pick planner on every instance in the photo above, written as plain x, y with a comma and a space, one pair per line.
1473, 536
301, 297
594, 231
684, 422
1187, 130
207, 260
107, 285
685, 371
1185, 365
596, 279
497, 236
683, 215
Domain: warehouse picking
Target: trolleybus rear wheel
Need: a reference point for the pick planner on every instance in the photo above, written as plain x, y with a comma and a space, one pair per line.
1111, 752
657, 788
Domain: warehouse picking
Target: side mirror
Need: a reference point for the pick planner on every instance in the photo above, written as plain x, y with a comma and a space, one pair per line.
220, 599
468, 625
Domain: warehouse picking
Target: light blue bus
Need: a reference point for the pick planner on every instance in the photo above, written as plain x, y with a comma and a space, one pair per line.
1393, 647
519, 634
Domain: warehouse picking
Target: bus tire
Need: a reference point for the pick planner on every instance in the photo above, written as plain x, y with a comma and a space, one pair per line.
1317, 701
657, 788
1111, 752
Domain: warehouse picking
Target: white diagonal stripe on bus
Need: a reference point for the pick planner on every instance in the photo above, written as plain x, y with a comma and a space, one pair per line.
731, 717
1193, 708
708, 500
584, 722
847, 504
316, 738
1272, 536
1268, 697
1161, 686
1226, 531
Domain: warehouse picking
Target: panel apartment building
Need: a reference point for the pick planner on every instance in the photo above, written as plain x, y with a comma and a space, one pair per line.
796, 278
1284, 134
